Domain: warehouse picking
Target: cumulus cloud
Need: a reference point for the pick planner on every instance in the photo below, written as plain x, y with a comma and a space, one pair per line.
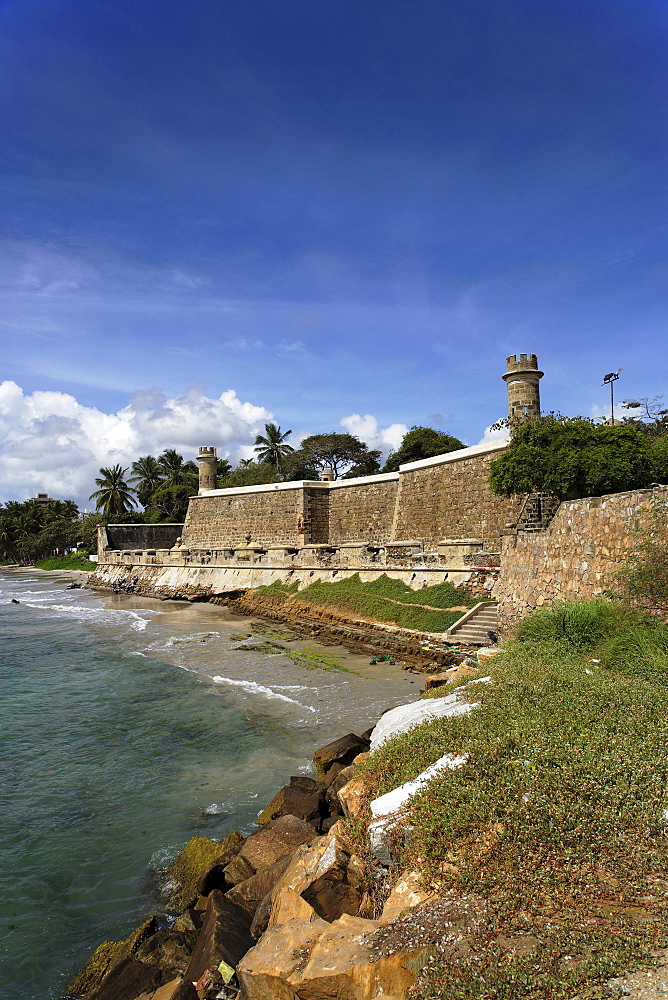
366, 428
49, 442
492, 434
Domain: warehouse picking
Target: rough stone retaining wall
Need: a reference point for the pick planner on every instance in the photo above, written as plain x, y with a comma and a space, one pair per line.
576, 557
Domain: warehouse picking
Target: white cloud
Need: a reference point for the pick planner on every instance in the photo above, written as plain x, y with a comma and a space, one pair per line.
366, 429
50, 442
493, 434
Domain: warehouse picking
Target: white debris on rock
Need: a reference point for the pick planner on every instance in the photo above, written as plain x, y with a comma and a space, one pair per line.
404, 717
399, 797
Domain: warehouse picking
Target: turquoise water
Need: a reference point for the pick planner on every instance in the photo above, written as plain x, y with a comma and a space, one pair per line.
129, 725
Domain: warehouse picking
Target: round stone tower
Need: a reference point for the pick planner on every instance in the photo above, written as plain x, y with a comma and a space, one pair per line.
522, 378
207, 469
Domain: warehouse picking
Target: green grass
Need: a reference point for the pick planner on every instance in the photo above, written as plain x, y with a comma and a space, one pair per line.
67, 562
556, 821
376, 600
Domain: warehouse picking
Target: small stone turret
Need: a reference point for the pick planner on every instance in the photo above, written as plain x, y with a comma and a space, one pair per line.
207, 458
327, 475
522, 378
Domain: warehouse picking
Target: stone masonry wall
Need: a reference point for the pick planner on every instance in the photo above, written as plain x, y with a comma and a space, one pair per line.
270, 516
362, 513
453, 500
576, 557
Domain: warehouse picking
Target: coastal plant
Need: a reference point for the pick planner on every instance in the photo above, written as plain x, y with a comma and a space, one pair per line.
557, 820
114, 496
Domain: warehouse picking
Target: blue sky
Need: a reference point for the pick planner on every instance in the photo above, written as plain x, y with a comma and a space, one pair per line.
218, 212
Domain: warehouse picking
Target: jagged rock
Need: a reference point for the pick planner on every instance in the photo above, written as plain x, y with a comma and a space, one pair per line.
250, 893
127, 980
342, 777
215, 876
178, 989
405, 895
325, 875
303, 798
354, 798
335, 888
169, 950
265, 970
276, 839
354, 958
224, 937
238, 870
342, 751
286, 904
189, 920
106, 956
187, 867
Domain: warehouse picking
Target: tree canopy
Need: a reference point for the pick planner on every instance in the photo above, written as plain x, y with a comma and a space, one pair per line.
421, 442
573, 457
30, 531
342, 453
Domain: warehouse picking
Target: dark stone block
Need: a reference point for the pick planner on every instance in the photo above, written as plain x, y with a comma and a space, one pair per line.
225, 936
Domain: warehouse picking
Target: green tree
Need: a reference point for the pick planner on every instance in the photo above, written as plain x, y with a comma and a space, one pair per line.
339, 452
114, 495
223, 469
250, 473
418, 443
177, 472
170, 503
271, 446
660, 460
147, 477
572, 457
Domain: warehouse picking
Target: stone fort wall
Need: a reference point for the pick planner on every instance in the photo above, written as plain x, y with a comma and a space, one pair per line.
576, 557
442, 497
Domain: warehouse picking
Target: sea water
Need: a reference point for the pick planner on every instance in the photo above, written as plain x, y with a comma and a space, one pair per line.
128, 726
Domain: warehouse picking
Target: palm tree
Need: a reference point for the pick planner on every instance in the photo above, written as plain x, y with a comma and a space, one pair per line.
114, 495
271, 447
147, 477
174, 470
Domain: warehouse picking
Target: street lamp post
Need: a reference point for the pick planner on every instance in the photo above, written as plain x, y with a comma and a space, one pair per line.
610, 380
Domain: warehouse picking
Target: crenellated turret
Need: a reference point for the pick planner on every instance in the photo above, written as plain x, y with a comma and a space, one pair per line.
522, 378
207, 458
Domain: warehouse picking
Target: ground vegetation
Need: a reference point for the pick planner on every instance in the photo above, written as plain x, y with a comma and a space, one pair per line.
556, 824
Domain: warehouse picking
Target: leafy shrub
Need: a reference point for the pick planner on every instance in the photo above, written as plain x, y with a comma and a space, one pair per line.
576, 624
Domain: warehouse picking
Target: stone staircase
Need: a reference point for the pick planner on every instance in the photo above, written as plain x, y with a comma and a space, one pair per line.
472, 628
537, 512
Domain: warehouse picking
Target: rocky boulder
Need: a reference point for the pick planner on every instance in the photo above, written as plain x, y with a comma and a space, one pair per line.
340, 752
356, 959
224, 937
250, 893
303, 797
276, 839
187, 867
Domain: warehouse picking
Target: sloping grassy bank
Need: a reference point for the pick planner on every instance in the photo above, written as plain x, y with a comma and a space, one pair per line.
557, 820
383, 600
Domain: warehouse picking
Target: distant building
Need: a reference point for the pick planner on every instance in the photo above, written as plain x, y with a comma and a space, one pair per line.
41, 499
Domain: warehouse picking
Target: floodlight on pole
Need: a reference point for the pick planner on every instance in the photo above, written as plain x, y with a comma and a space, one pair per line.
610, 380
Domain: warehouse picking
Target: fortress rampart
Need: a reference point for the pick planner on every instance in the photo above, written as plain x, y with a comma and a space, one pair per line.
433, 519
